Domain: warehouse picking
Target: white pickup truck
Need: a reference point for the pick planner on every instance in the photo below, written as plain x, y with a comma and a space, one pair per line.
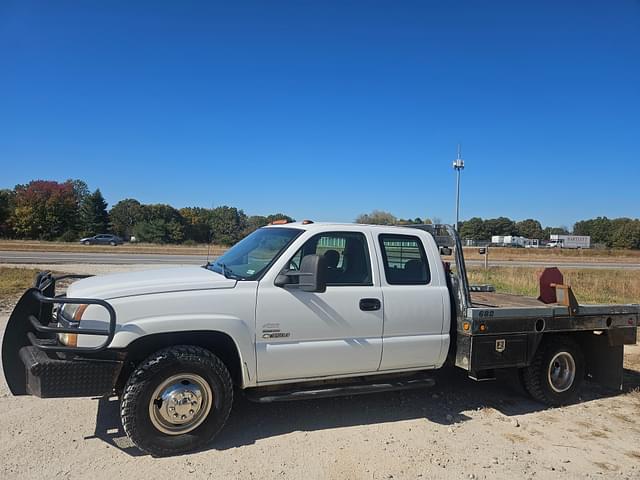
298, 310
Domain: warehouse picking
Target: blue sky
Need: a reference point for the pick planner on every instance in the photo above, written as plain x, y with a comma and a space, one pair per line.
325, 109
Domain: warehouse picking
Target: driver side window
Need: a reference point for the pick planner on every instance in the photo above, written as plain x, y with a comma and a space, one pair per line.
346, 255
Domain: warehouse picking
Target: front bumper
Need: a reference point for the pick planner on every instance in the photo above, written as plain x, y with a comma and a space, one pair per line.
48, 376
35, 363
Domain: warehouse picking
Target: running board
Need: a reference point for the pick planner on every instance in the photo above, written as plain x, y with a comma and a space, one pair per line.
339, 390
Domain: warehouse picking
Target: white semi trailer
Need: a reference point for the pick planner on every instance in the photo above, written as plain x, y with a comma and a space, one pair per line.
569, 241
514, 241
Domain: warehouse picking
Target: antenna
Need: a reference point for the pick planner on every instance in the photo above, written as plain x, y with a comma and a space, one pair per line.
209, 246
210, 239
458, 165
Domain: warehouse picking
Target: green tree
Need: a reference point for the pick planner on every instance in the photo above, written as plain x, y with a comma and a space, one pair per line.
94, 218
160, 223
171, 219
228, 225
499, 226
6, 209
255, 222
548, 231
197, 223
529, 228
599, 229
152, 231
473, 229
124, 215
80, 189
274, 217
377, 217
626, 233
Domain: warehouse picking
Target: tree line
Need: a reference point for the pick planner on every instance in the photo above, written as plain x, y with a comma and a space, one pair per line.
612, 233
66, 211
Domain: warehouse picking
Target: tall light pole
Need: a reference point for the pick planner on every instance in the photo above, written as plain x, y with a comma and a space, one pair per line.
458, 166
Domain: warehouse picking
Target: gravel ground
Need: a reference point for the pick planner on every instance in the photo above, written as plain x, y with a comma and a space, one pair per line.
458, 429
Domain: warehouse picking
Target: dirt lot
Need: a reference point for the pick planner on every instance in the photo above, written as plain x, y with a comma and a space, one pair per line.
458, 429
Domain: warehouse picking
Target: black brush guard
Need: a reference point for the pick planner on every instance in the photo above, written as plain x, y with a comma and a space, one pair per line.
36, 363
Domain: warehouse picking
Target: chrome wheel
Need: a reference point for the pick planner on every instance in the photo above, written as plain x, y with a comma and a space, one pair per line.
180, 404
561, 372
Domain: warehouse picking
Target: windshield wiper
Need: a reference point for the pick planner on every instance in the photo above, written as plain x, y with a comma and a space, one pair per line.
228, 273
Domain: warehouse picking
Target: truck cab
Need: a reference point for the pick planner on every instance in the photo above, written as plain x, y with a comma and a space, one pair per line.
382, 305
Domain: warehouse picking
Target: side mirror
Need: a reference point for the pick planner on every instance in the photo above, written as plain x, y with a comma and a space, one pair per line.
312, 276
446, 251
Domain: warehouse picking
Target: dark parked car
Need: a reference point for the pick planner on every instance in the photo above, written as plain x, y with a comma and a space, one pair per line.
102, 239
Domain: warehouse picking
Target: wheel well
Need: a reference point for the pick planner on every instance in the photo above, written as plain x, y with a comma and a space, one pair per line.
218, 343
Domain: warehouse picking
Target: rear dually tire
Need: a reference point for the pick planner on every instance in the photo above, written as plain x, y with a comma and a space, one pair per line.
556, 372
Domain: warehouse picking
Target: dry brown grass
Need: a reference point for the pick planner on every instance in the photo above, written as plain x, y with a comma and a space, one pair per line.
589, 285
43, 246
15, 280
555, 254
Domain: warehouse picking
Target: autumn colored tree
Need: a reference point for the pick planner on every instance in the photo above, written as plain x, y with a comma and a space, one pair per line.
44, 210
377, 217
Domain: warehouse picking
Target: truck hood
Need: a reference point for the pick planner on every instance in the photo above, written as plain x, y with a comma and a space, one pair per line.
146, 282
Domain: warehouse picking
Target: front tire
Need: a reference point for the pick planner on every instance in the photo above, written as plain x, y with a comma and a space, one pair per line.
556, 372
176, 401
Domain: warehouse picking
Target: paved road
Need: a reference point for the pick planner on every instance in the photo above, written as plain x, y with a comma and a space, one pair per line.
155, 259
99, 258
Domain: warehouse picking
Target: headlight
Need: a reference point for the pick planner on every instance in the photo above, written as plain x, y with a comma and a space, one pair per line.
71, 316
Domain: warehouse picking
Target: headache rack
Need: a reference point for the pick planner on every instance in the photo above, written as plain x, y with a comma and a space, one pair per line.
39, 302
446, 237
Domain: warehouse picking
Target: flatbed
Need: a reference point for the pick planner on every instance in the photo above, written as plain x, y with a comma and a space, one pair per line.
498, 330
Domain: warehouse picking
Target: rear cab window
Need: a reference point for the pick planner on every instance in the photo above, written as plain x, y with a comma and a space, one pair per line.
404, 259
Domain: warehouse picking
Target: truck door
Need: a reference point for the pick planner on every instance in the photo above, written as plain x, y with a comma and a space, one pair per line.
301, 335
416, 322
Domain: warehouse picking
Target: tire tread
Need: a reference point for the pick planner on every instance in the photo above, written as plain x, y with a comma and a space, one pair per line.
533, 377
149, 367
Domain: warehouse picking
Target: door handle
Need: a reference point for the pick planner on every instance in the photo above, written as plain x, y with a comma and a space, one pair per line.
369, 304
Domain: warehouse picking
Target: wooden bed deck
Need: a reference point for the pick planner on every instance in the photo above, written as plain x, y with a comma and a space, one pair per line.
497, 300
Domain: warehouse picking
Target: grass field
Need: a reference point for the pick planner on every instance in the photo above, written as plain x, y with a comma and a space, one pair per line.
589, 285
42, 246
14, 281
555, 254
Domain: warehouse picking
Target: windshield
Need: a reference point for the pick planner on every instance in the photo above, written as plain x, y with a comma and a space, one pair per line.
250, 257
